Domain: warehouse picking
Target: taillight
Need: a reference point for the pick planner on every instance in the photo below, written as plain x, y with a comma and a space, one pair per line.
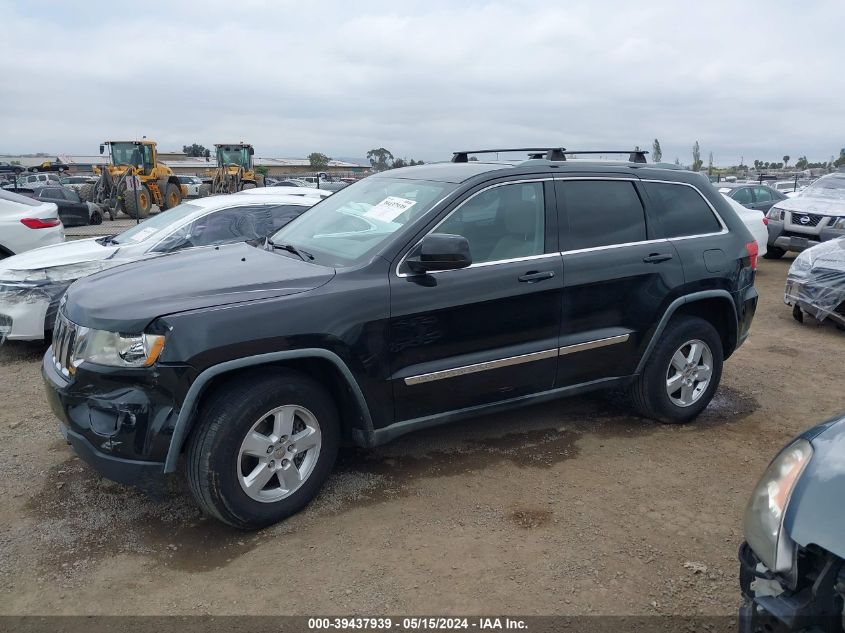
753, 251
38, 223
765, 221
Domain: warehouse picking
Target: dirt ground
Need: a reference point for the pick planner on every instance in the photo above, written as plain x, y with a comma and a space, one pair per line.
572, 507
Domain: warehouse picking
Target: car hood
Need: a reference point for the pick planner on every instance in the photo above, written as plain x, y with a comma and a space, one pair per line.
68, 254
816, 514
806, 204
129, 297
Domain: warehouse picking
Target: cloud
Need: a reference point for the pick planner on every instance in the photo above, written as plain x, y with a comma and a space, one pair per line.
424, 78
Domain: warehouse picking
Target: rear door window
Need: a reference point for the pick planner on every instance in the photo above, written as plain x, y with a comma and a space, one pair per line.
599, 213
763, 194
743, 195
680, 210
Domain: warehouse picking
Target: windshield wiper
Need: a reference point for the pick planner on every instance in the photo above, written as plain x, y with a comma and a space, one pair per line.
108, 239
290, 248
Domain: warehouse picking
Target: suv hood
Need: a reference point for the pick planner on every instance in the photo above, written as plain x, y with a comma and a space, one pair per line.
129, 297
806, 204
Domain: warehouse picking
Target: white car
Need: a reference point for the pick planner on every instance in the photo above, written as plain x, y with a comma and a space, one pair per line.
26, 224
193, 183
787, 187
32, 284
755, 221
291, 191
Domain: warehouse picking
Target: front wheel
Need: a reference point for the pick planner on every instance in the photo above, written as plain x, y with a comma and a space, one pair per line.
137, 206
172, 196
682, 373
264, 448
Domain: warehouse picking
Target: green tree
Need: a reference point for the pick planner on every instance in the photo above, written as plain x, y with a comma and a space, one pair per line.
786, 160
399, 162
380, 158
261, 169
801, 163
696, 157
841, 160
710, 164
656, 151
318, 161
196, 151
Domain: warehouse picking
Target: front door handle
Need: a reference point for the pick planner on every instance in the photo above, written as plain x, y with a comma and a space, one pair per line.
656, 258
534, 276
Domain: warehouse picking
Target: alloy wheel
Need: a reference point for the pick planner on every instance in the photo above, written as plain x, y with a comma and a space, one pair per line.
689, 373
278, 453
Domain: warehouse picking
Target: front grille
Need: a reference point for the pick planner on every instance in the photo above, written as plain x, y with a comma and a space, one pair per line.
64, 338
812, 219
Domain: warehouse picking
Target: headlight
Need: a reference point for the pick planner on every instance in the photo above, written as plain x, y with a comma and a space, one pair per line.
775, 213
839, 224
115, 349
802, 264
767, 506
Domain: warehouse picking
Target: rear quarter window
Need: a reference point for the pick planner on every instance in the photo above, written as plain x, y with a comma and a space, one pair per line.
680, 210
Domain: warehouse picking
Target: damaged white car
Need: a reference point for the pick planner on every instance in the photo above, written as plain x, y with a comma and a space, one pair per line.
32, 283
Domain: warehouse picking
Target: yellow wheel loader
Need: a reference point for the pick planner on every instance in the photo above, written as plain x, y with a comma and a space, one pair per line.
133, 181
235, 170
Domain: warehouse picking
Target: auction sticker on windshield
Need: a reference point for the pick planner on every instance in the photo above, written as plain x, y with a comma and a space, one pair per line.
144, 234
390, 208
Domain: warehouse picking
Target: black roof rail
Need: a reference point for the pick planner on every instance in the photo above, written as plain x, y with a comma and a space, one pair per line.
549, 153
552, 153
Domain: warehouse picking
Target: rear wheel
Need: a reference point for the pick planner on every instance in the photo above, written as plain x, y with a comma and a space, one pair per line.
248, 185
137, 206
172, 196
682, 373
264, 448
773, 252
96, 217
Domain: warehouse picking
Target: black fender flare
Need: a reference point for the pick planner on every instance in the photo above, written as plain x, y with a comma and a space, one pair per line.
673, 307
188, 410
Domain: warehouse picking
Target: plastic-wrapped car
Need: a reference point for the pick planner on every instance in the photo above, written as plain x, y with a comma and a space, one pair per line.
816, 282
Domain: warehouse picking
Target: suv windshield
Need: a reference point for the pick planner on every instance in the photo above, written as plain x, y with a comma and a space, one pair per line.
346, 227
156, 225
830, 187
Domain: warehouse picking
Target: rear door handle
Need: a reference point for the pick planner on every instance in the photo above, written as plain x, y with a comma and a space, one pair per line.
656, 258
534, 276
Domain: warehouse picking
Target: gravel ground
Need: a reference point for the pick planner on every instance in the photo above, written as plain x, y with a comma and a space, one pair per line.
572, 507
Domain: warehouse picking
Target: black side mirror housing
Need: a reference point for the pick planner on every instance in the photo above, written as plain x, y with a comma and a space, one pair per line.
102, 148
440, 251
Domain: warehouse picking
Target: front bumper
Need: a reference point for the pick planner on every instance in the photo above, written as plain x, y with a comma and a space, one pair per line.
820, 295
813, 605
781, 237
120, 421
27, 310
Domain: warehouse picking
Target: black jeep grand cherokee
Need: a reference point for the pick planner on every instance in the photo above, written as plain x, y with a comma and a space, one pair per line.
414, 297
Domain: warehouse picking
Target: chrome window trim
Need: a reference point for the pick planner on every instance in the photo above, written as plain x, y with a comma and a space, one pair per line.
509, 361
462, 203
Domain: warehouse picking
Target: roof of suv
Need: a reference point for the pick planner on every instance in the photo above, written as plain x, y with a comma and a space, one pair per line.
461, 172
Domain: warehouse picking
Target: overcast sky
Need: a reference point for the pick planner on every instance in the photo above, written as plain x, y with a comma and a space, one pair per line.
746, 79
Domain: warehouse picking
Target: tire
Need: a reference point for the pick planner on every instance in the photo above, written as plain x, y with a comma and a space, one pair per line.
86, 193
96, 218
248, 185
145, 202
217, 470
172, 196
649, 393
205, 190
773, 252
